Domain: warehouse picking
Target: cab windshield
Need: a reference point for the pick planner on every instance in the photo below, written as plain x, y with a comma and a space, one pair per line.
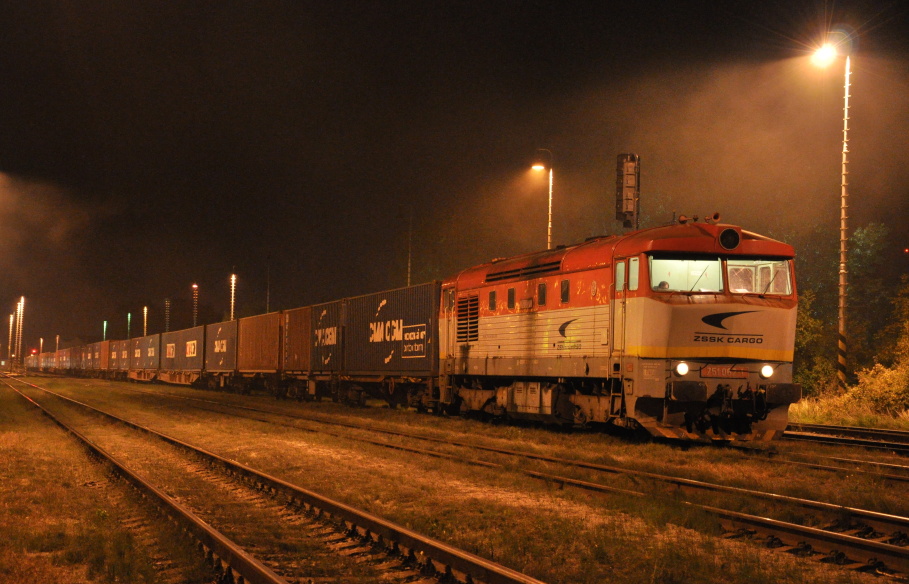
686, 274
759, 276
699, 274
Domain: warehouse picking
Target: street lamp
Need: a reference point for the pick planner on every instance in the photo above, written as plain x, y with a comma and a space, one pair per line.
233, 294
541, 165
195, 304
823, 57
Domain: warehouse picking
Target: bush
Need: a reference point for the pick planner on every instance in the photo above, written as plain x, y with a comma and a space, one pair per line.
884, 389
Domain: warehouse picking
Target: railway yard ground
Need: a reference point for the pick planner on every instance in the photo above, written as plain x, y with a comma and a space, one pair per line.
66, 519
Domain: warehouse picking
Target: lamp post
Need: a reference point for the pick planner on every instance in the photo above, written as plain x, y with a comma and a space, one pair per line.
233, 294
195, 304
823, 57
20, 315
540, 165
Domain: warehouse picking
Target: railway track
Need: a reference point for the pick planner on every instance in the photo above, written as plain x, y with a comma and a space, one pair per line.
896, 441
397, 553
862, 539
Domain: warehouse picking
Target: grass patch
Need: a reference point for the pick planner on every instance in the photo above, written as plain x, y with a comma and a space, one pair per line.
559, 536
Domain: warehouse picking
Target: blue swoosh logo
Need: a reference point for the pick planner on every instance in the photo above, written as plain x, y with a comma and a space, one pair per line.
565, 326
716, 320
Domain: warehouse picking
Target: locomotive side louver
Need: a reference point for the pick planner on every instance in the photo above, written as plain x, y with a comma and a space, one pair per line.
524, 272
469, 318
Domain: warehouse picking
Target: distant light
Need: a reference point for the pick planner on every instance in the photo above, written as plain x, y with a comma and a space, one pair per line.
538, 167
824, 56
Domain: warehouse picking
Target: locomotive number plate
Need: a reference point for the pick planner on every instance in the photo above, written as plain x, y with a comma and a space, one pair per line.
723, 371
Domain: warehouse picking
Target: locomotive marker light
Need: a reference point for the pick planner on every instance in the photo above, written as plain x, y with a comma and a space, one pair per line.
541, 165
767, 371
682, 369
823, 57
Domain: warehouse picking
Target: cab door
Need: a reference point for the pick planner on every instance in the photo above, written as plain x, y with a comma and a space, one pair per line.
618, 306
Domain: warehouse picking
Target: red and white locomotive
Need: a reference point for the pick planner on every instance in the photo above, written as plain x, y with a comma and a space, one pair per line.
685, 331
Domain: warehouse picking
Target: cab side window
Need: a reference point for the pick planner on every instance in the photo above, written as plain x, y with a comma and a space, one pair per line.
541, 294
492, 300
619, 276
565, 289
633, 266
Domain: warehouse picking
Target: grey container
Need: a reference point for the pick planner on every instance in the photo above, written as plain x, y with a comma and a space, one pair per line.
183, 350
145, 353
326, 337
297, 343
94, 356
123, 353
119, 356
221, 347
64, 358
393, 332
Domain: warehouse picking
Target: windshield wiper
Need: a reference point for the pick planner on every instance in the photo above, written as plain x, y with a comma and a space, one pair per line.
775, 272
699, 278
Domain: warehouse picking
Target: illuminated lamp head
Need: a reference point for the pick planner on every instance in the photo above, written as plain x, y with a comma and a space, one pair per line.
730, 239
767, 371
681, 369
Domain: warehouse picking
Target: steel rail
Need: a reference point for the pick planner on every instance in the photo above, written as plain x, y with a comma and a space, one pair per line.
895, 447
873, 552
897, 557
856, 431
450, 557
879, 520
232, 556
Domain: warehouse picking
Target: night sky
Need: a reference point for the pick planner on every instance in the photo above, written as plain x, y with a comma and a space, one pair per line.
145, 146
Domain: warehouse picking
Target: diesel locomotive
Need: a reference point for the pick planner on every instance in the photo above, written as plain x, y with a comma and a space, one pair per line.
683, 331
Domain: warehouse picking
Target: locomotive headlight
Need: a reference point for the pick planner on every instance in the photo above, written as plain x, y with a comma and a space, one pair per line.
767, 371
681, 369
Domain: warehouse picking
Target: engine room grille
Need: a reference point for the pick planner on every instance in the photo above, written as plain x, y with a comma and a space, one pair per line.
524, 272
468, 318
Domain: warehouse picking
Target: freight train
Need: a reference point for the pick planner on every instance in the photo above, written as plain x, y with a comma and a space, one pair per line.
683, 331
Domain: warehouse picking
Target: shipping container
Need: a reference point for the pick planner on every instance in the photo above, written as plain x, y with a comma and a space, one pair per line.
392, 333
88, 362
102, 355
77, 358
221, 347
63, 359
183, 350
119, 355
326, 336
297, 343
46, 361
144, 357
259, 343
